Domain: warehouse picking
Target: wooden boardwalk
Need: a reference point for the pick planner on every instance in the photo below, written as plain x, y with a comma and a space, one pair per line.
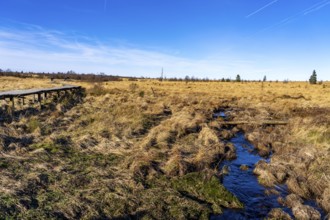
21, 94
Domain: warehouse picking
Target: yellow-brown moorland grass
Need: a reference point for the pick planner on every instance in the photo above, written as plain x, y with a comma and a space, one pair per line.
145, 148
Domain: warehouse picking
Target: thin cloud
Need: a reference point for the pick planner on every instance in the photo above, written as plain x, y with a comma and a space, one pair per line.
262, 8
45, 50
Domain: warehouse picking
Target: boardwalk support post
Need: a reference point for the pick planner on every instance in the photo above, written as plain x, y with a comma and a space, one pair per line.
12, 105
39, 99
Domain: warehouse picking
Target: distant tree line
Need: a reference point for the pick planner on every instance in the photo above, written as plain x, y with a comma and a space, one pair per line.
70, 75
102, 77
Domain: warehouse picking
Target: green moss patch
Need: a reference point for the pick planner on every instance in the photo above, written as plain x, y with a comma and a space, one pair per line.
195, 186
192, 196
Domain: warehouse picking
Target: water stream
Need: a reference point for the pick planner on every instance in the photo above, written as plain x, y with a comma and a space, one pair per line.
244, 184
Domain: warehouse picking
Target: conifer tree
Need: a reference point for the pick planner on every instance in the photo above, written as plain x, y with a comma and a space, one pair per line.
238, 78
313, 78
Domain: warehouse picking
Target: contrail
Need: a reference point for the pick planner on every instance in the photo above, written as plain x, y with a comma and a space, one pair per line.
316, 8
291, 18
262, 8
306, 11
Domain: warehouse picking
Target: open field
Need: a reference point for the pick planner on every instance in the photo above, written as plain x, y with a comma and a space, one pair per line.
148, 149
14, 83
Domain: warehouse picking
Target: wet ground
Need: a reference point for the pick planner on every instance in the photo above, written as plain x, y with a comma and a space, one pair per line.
244, 184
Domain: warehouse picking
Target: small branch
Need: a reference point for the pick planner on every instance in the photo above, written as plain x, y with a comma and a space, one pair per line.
254, 122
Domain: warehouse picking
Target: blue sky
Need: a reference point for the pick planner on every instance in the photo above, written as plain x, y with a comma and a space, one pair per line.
282, 39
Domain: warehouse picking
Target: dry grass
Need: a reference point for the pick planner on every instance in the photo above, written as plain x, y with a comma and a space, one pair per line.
14, 83
130, 148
